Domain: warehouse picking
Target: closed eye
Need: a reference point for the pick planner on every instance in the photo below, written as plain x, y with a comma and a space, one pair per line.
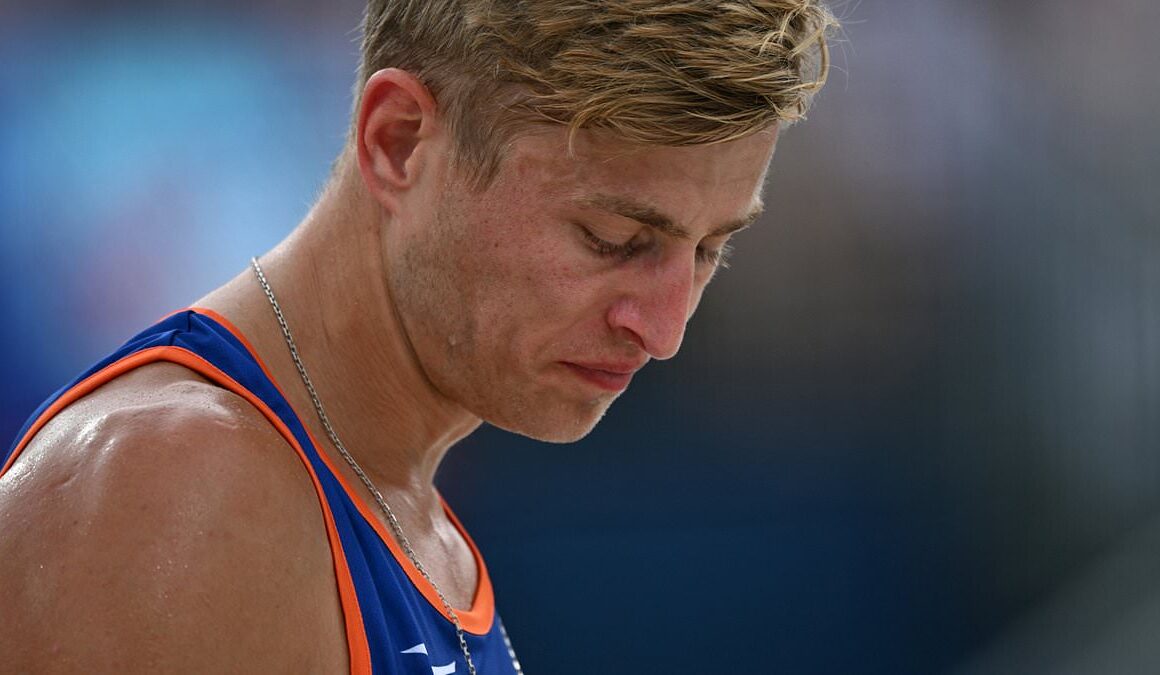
714, 257
718, 257
607, 248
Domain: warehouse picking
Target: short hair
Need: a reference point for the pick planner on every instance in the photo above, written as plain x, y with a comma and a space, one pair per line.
676, 72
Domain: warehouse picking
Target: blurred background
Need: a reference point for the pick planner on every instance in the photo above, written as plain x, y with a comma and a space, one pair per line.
914, 429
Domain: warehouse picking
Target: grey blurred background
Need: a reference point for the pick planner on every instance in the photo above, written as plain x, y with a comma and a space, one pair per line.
914, 429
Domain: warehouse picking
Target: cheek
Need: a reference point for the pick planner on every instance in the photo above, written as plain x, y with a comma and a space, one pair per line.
539, 301
530, 286
524, 263
532, 292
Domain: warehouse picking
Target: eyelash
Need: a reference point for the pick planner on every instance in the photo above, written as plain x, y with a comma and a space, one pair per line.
607, 249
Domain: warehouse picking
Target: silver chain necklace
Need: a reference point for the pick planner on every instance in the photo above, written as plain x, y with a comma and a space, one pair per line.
396, 528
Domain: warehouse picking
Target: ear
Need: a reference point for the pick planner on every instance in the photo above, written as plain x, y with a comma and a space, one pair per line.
396, 115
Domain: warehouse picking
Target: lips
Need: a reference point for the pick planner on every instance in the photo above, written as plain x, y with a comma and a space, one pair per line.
607, 376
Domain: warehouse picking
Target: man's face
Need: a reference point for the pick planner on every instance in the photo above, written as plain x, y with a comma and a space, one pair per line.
532, 302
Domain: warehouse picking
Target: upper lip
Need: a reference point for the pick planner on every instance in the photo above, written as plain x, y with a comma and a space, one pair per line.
616, 367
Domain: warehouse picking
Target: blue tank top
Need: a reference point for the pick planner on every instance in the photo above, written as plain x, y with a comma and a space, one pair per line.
395, 622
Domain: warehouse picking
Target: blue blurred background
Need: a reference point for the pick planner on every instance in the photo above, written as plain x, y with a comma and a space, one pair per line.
914, 429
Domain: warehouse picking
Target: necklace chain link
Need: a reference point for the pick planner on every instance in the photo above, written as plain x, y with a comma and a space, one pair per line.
396, 528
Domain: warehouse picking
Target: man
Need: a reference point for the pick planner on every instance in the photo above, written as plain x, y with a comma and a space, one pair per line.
530, 204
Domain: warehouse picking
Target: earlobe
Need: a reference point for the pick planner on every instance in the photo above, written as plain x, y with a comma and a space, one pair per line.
396, 115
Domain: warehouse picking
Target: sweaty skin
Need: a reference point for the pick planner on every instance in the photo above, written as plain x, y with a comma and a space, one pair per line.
161, 523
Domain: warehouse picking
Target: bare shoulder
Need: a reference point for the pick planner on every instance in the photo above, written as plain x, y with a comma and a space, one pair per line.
161, 523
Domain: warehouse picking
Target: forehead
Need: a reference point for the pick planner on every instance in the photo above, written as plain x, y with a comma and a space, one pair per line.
720, 181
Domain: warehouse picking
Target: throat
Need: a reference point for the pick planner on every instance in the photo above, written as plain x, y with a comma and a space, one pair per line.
441, 549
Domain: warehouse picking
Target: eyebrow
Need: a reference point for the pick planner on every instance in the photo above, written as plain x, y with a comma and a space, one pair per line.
648, 215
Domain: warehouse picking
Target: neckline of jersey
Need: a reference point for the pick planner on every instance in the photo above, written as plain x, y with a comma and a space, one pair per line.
476, 620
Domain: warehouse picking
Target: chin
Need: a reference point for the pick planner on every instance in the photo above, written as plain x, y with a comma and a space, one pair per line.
555, 426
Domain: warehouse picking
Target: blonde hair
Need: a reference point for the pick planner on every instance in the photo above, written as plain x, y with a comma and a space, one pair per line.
653, 72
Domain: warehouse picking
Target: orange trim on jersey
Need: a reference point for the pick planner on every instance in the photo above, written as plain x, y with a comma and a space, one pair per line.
479, 618
360, 658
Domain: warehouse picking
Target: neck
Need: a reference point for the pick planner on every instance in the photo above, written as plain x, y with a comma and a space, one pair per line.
329, 277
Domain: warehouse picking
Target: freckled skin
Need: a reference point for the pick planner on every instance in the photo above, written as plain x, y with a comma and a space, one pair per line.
495, 289
187, 520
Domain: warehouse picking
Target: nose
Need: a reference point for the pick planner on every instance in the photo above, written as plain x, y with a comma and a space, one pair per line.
656, 309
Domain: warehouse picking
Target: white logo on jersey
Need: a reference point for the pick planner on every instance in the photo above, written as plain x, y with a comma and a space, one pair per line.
421, 648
